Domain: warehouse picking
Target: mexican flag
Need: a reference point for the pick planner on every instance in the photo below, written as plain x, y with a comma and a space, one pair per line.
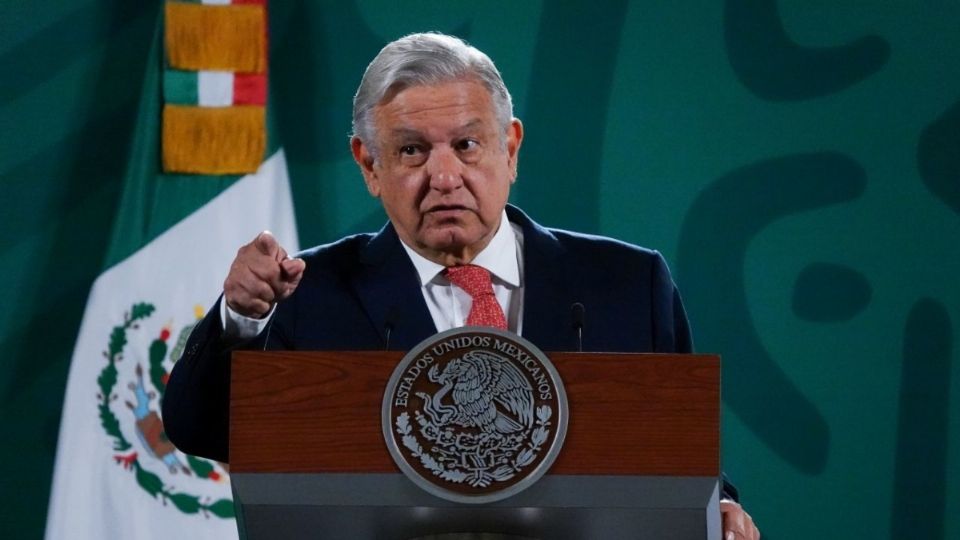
175, 235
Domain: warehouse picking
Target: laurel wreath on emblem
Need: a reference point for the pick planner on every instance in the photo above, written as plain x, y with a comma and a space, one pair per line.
107, 380
477, 459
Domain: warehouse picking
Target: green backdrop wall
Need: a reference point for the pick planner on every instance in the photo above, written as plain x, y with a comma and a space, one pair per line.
797, 161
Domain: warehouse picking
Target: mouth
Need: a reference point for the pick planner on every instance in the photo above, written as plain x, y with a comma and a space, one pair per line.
446, 208
446, 212
446, 215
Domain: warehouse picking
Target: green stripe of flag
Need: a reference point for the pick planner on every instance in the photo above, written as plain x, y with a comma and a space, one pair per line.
180, 87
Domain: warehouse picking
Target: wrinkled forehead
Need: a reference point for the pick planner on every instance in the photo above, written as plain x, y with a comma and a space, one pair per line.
449, 106
402, 85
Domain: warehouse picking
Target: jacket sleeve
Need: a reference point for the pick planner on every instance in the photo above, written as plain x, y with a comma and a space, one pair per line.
196, 402
671, 329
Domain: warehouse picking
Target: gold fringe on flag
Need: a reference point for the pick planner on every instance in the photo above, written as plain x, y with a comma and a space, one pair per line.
226, 38
213, 140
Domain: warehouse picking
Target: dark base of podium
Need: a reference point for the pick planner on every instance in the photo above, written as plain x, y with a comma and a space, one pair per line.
473, 536
558, 507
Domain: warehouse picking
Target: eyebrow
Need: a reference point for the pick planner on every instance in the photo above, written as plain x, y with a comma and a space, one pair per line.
406, 133
469, 126
403, 132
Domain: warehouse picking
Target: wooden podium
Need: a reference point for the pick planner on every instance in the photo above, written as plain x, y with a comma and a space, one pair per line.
641, 457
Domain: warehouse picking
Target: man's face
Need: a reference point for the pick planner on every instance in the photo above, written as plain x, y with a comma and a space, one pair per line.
444, 167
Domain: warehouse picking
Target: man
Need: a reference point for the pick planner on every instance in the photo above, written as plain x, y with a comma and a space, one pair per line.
437, 143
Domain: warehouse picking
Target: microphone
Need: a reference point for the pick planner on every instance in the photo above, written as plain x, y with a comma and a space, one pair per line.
578, 312
389, 322
273, 315
266, 338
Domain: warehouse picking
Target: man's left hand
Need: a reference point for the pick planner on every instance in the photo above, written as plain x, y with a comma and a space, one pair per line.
737, 524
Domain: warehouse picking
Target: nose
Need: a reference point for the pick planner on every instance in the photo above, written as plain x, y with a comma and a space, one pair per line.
445, 170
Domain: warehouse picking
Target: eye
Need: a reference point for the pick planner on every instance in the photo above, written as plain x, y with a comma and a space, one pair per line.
467, 145
413, 155
410, 150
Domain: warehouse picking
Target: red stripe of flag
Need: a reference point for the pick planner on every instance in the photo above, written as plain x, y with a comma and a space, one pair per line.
249, 89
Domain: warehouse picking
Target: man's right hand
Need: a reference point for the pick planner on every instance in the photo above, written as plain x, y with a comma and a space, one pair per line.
261, 275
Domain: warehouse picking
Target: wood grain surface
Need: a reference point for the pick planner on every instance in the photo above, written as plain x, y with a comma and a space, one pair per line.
630, 414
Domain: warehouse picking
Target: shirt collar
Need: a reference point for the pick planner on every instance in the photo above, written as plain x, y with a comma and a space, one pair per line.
499, 257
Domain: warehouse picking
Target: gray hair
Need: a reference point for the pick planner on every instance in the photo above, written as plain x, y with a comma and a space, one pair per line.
424, 59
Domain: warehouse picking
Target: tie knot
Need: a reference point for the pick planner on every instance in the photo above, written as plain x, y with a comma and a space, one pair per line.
484, 311
471, 278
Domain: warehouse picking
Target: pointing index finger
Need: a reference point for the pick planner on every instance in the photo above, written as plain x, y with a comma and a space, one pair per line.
266, 243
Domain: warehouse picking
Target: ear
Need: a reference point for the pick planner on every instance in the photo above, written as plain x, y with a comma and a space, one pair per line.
363, 157
514, 139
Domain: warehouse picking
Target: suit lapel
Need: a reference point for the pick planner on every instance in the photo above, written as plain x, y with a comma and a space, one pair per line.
389, 290
548, 290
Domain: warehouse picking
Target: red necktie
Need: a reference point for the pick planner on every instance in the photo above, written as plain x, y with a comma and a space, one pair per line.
485, 311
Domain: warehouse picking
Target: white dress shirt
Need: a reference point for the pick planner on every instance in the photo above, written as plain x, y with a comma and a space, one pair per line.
448, 304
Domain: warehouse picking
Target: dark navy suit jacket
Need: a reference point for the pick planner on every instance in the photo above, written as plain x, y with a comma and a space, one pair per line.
352, 290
